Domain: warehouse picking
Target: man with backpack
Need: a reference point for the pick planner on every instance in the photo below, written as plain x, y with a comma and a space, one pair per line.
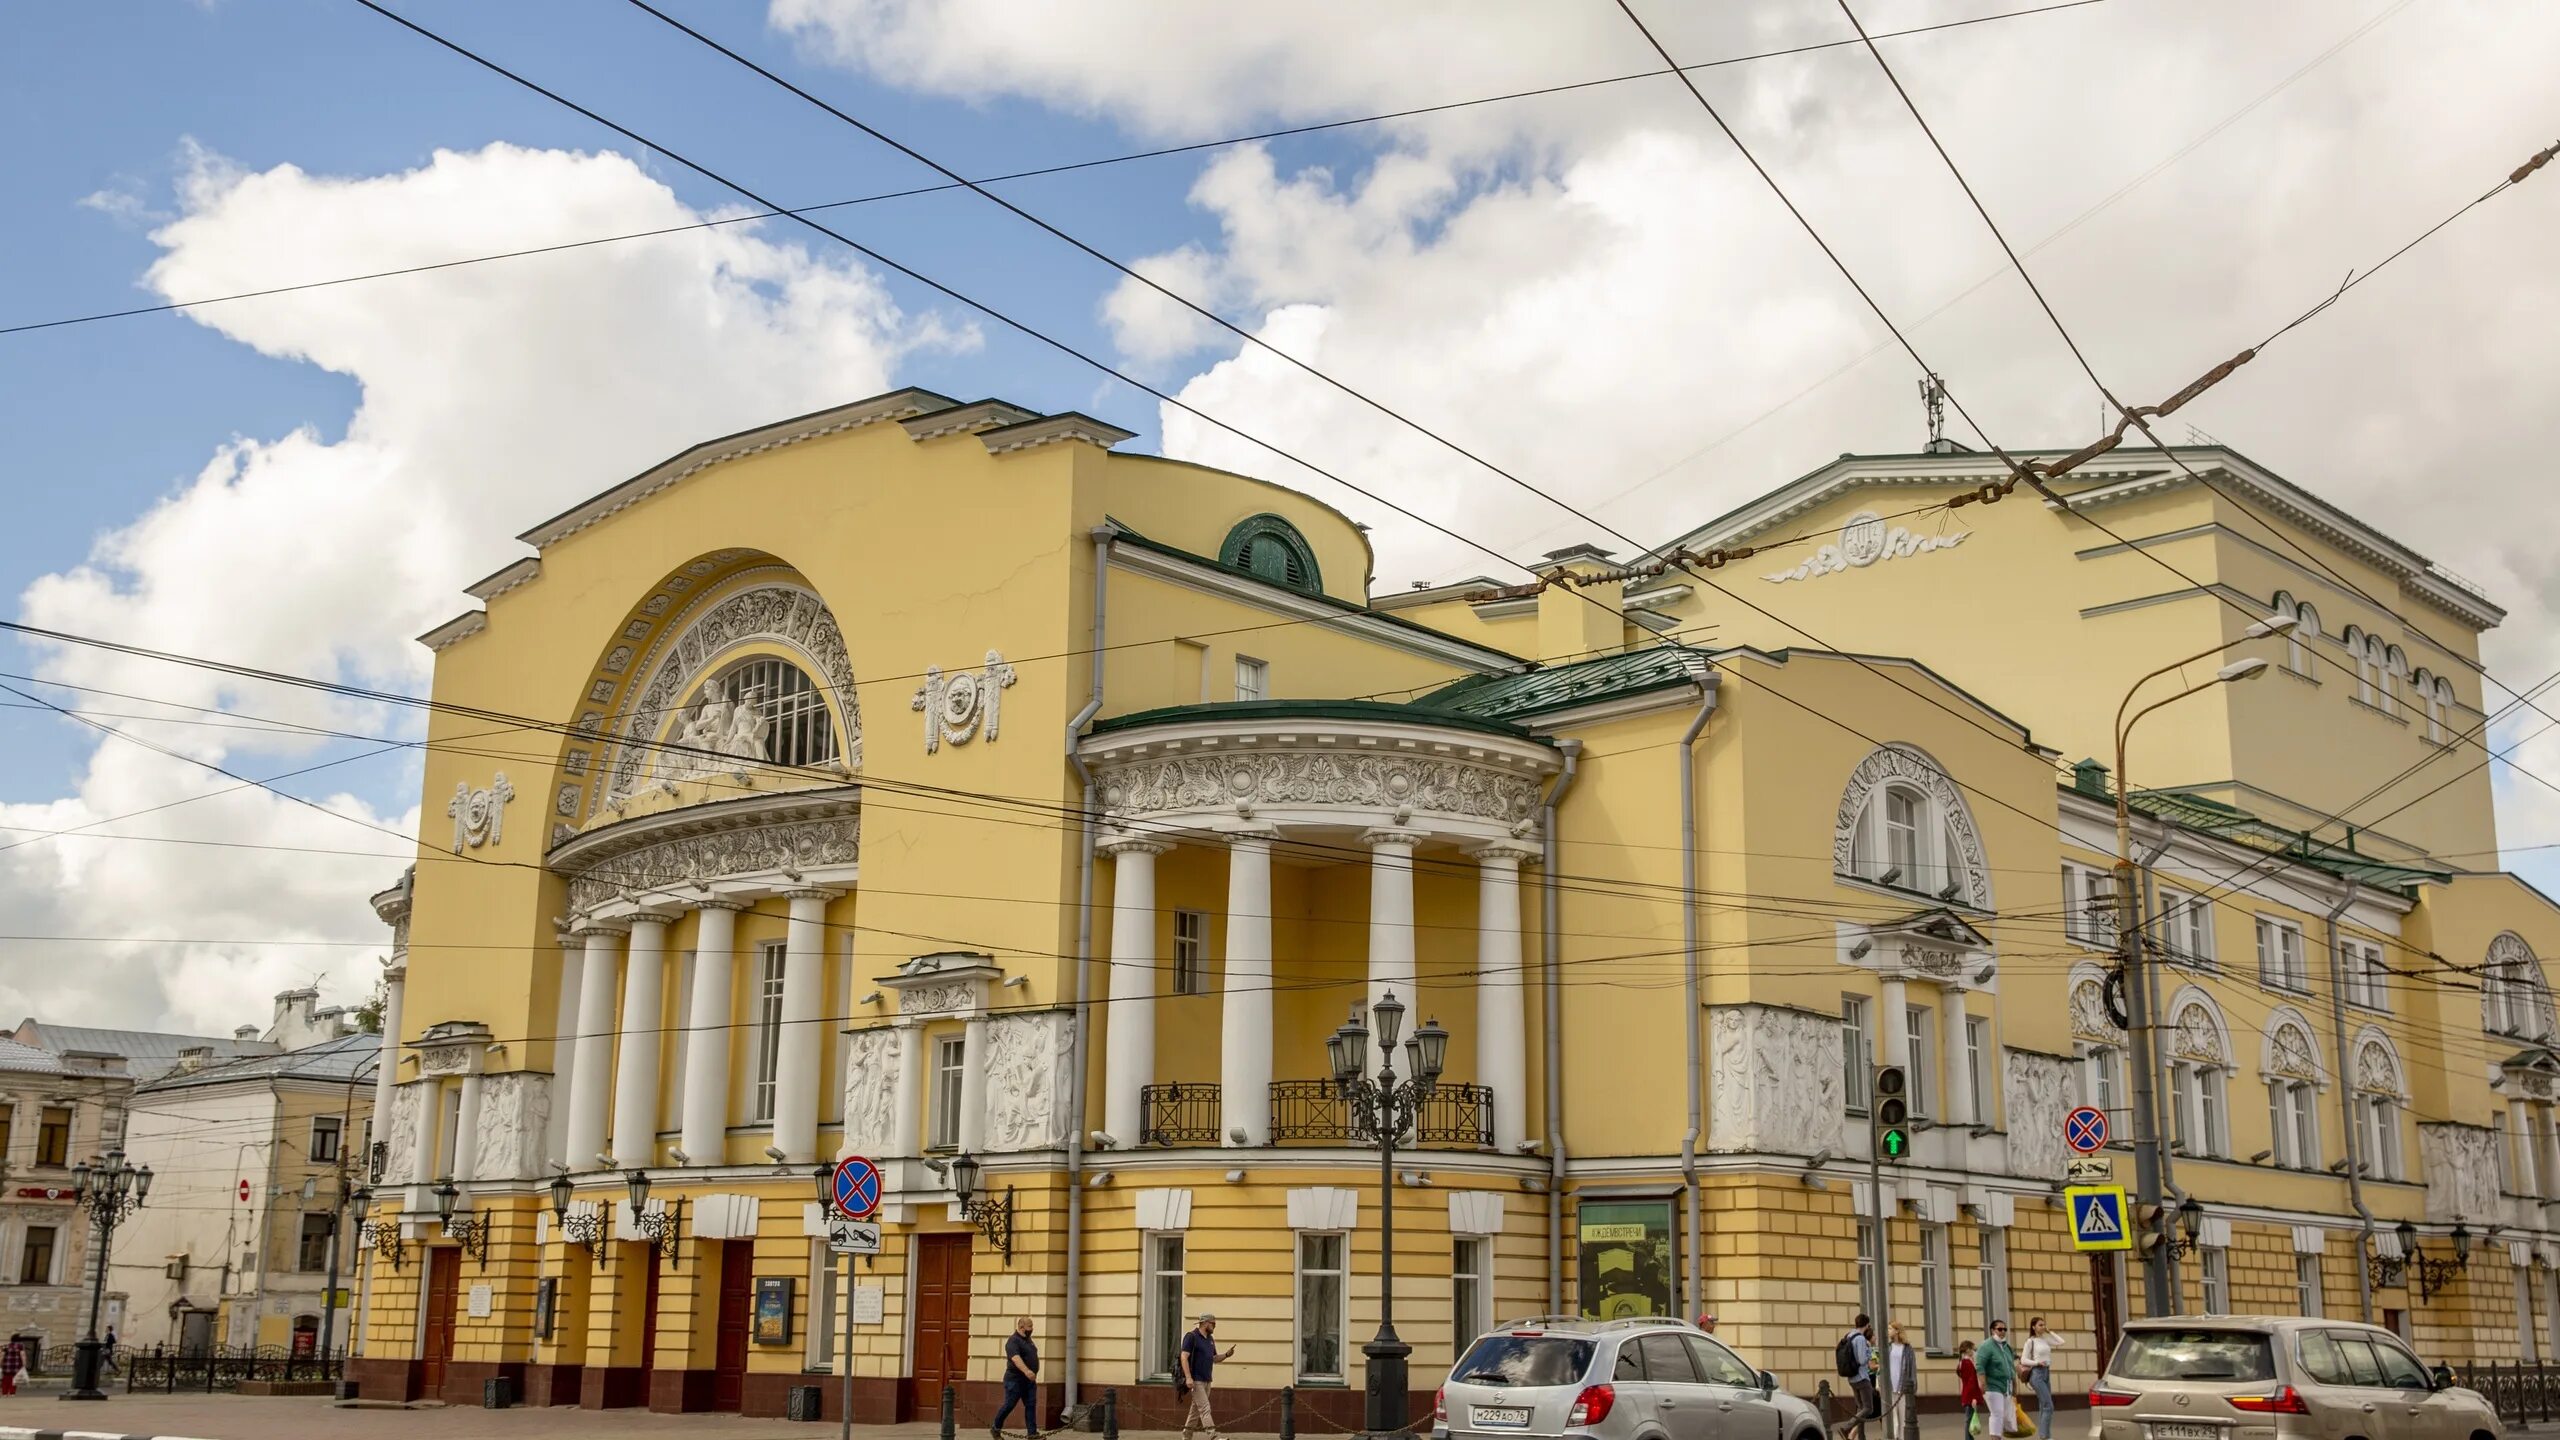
1855, 1358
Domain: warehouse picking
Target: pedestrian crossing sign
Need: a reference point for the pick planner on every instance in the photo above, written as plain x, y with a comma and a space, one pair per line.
2097, 1217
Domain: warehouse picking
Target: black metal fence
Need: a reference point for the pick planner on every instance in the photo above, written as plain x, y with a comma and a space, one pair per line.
1180, 1114
225, 1367
1304, 1110
2521, 1394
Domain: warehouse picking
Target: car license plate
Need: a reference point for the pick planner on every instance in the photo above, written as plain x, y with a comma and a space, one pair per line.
2186, 1432
1514, 1417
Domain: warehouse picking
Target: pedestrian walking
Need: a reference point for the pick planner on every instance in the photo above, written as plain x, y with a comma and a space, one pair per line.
1969, 1390
1200, 1358
109, 1354
1021, 1382
2035, 1362
1902, 1380
1998, 1365
1855, 1358
13, 1358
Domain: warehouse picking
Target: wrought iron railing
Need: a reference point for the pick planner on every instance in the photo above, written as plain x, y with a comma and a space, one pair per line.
224, 1367
1305, 1111
2521, 1394
1182, 1113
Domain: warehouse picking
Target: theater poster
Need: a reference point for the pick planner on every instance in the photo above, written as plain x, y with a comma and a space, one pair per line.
1627, 1267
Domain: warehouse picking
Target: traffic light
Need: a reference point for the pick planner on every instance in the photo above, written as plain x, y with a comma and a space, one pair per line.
1890, 1118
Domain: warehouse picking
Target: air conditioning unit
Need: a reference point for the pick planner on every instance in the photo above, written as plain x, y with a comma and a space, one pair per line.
176, 1269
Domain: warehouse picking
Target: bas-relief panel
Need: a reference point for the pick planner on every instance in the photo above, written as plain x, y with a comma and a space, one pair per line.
2460, 1163
871, 1090
1028, 1060
1379, 782
515, 1111
689, 859
1775, 1078
400, 1133
2038, 1091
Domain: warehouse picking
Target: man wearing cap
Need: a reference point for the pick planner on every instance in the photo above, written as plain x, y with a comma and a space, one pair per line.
1200, 1356
1707, 1322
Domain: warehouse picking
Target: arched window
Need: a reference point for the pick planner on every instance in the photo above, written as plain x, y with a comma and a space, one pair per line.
760, 711
2514, 998
2444, 710
2395, 664
2367, 655
2199, 1072
2297, 652
1904, 824
2290, 1061
2097, 1040
2380, 1095
1271, 548
2430, 704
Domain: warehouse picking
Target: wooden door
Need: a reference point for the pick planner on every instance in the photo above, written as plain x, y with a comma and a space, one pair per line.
942, 1319
737, 1304
649, 1319
444, 1280
2106, 1305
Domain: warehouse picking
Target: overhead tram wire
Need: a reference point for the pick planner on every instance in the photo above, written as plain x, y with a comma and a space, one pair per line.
1285, 132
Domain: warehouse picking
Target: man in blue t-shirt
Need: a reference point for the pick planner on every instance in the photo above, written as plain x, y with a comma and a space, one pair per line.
1199, 1358
1021, 1382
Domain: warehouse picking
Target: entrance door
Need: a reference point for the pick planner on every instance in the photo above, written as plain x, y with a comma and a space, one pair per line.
444, 1278
2106, 1306
649, 1319
942, 1319
737, 1300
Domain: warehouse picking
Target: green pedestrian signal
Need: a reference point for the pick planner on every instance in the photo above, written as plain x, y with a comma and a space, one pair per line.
1889, 1116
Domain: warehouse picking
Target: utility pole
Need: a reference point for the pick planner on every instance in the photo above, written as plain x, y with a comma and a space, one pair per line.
1889, 1126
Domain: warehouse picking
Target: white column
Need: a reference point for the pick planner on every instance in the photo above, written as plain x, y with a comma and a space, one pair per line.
706, 1055
1244, 1013
1391, 919
424, 1171
635, 1071
1893, 1032
802, 1041
386, 1073
564, 1047
973, 1084
1957, 1107
1502, 1021
466, 1132
592, 1082
1130, 1062
909, 1135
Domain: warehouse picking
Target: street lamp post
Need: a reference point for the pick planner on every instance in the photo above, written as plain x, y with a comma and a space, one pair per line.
1388, 1107
2159, 1263
108, 1189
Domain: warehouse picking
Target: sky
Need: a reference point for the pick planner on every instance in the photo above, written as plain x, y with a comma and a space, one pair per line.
1590, 288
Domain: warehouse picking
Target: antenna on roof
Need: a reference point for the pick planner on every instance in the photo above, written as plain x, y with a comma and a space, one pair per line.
1933, 395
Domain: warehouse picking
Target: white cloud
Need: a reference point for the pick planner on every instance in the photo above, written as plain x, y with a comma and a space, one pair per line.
491, 396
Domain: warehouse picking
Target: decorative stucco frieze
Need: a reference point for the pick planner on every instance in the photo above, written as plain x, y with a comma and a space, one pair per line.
2037, 1091
515, 1111
400, 1132
1028, 1059
1900, 764
942, 999
2460, 1163
699, 857
1399, 783
1775, 1077
871, 1061
2090, 1021
1865, 540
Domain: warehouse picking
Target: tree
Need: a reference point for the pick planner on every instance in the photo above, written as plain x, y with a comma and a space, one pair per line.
369, 1014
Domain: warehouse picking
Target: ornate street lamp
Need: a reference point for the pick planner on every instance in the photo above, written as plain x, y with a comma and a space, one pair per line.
108, 1190
382, 1237
994, 1218
582, 1228
1388, 1107
468, 1230
658, 1227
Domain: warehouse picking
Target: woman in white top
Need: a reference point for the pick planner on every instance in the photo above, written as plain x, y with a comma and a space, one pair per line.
2035, 1362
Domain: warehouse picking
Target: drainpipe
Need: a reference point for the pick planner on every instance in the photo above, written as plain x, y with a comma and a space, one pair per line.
1708, 686
1552, 1011
2347, 1103
1103, 535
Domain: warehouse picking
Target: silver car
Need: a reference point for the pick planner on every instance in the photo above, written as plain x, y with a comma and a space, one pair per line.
2241, 1377
1643, 1379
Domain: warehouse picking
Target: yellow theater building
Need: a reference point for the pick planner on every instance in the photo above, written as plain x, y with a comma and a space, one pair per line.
927, 781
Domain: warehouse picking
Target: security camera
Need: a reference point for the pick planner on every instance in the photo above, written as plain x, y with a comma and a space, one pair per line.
678, 1156
1820, 1158
1236, 1136
1101, 1140
775, 1154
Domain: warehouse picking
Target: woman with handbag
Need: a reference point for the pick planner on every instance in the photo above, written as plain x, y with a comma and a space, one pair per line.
2035, 1366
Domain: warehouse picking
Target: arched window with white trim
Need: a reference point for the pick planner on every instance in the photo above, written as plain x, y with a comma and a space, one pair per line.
2200, 1066
1903, 824
2381, 1094
2515, 998
2440, 709
2306, 630
2290, 1061
2423, 687
2366, 652
2098, 1041
2395, 664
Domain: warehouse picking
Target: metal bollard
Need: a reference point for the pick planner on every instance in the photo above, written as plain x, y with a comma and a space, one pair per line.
1288, 1412
950, 1409
1111, 1413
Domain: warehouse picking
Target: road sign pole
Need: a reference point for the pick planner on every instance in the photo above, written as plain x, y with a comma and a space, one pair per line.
844, 1356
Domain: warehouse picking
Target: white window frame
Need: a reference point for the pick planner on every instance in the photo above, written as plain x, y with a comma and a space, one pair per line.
1190, 952
2297, 649
335, 1128
946, 1080
2186, 924
2282, 964
2293, 1120
1300, 1331
1857, 1053
1253, 678
771, 958
2362, 975
819, 1353
2309, 1294
1866, 1262
2213, 1099
1157, 1356
2440, 704
1937, 1300
1992, 1269
1919, 1035
1977, 1065
1470, 1290
2088, 903
2379, 1115
2367, 654
2102, 1078
2214, 1271
2529, 1342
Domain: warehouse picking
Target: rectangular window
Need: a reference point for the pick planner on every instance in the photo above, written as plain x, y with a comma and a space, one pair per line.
1923, 1065
312, 1254
1322, 1295
53, 1135
1866, 1263
2182, 1107
2186, 926
324, 1139
950, 1060
2362, 975
1253, 678
1162, 1306
2213, 1111
1994, 1274
2280, 961
2526, 1343
2217, 1279
1857, 1052
2106, 1076
2088, 901
1470, 1290
1902, 838
769, 962
2293, 1115
2381, 1120
1190, 952
1977, 1065
35, 1256
1626, 1259
824, 1320
1937, 1300
8, 1113
2306, 1285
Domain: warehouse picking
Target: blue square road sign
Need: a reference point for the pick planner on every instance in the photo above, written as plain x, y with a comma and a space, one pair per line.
2098, 1217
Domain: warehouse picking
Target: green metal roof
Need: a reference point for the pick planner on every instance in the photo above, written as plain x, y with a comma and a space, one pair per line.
2230, 822
1564, 687
1312, 710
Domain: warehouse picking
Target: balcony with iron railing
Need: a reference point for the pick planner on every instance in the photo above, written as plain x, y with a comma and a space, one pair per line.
1313, 1112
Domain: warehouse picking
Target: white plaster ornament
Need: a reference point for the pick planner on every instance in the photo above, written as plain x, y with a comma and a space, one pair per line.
1864, 541
957, 705
479, 816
